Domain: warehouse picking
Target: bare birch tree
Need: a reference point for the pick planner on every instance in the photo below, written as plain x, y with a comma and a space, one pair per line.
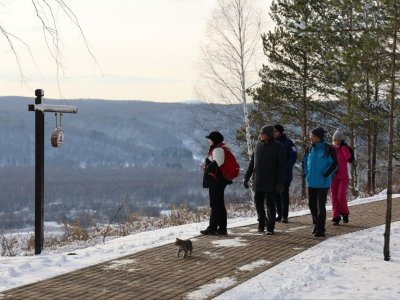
230, 51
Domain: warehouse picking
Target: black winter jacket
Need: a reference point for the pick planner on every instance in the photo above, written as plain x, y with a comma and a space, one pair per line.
212, 177
267, 165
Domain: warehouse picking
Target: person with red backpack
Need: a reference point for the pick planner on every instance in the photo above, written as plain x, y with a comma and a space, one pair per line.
220, 169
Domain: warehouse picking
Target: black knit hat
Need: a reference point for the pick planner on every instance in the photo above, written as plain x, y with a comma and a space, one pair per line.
216, 137
279, 128
319, 132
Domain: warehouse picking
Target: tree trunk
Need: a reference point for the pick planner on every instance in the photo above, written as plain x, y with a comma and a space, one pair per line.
374, 154
303, 179
353, 181
369, 155
386, 247
246, 124
304, 125
243, 92
350, 108
374, 144
249, 146
369, 139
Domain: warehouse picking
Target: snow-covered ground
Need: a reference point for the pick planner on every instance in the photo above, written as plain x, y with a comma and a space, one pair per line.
344, 267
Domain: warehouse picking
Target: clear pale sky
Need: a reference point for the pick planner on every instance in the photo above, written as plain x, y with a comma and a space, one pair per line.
147, 50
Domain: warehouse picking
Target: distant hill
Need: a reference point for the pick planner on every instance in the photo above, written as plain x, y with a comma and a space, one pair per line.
143, 154
111, 133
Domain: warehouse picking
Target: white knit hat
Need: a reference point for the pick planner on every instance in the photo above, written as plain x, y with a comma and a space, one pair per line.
338, 135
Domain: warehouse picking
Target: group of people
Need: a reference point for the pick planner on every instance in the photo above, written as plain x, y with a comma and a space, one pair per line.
325, 166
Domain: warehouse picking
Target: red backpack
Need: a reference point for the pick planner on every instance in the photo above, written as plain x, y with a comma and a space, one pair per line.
230, 168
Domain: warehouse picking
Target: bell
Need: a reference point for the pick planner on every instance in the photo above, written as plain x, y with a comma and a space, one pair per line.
57, 137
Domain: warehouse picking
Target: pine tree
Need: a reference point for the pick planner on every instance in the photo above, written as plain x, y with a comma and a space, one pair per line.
328, 65
294, 66
342, 73
375, 68
393, 28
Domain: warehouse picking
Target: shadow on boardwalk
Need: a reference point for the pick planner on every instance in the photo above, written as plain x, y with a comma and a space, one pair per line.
157, 273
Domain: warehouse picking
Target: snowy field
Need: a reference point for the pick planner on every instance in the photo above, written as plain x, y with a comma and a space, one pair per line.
344, 267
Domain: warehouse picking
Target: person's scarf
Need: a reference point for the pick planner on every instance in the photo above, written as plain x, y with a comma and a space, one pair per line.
213, 146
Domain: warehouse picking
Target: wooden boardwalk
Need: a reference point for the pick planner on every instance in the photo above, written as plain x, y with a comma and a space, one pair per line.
158, 274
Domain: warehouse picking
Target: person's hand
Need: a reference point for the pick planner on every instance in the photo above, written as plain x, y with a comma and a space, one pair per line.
212, 167
279, 188
342, 143
246, 184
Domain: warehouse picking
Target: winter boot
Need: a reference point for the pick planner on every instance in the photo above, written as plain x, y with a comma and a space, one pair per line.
209, 231
222, 231
345, 218
335, 221
319, 234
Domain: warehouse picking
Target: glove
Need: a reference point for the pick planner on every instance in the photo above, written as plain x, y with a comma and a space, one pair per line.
279, 188
212, 167
342, 143
246, 183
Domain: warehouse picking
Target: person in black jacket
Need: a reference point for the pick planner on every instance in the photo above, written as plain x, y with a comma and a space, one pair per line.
216, 184
267, 166
282, 199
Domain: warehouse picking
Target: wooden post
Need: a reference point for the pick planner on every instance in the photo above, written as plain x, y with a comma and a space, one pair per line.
39, 174
40, 108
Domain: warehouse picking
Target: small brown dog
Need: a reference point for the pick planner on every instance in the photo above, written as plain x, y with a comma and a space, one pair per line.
184, 246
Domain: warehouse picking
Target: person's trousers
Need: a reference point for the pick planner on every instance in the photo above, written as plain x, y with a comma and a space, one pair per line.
282, 202
317, 205
339, 197
218, 217
268, 219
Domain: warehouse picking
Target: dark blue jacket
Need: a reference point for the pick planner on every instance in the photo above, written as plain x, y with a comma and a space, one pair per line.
319, 165
291, 156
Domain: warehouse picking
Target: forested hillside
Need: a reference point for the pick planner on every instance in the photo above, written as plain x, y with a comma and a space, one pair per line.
143, 155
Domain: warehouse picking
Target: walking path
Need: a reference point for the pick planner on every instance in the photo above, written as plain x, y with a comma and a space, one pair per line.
158, 273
